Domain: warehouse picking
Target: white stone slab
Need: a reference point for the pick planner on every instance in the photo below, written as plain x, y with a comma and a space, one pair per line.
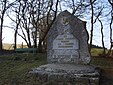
65, 41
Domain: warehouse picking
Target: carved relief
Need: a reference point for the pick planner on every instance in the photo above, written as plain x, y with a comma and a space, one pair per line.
64, 21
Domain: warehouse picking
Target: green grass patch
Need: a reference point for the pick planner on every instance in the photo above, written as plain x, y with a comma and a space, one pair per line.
96, 52
106, 67
15, 68
8, 46
104, 63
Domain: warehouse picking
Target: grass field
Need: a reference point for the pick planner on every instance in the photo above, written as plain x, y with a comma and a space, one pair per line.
106, 66
97, 52
14, 68
8, 46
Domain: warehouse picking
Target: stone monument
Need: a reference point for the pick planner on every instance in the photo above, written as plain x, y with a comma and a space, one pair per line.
67, 53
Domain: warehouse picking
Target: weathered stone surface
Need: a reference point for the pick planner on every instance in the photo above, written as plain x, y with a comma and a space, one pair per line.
78, 74
66, 68
68, 40
68, 54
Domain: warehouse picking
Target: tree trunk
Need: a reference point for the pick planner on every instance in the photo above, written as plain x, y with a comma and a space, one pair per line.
40, 46
16, 31
109, 52
15, 39
35, 39
91, 35
1, 27
104, 49
1, 37
29, 39
45, 45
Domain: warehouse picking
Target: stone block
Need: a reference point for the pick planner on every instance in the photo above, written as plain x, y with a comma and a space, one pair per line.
68, 54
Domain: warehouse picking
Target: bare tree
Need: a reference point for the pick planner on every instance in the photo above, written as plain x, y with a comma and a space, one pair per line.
36, 15
104, 49
111, 22
99, 13
17, 25
5, 5
91, 35
54, 14
22, 22
42, 13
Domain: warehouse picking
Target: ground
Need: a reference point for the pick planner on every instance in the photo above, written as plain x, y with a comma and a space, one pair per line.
106, 66
15, 67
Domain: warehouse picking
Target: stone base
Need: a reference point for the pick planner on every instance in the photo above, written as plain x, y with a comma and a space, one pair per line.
68, 74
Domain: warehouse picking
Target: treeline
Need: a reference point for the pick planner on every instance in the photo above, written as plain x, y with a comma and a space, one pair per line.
96, 46
32, 19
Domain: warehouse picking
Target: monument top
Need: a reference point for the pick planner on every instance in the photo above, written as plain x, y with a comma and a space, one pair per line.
68, 40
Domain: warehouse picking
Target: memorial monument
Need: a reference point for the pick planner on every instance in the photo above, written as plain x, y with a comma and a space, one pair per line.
67, 53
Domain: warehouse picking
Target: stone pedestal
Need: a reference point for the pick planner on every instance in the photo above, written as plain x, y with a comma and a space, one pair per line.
68, 74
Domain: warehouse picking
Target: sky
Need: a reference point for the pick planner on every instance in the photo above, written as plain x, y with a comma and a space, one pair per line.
8, 33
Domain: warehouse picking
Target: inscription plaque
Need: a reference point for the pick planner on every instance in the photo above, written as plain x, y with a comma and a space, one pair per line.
65, 42
65, 48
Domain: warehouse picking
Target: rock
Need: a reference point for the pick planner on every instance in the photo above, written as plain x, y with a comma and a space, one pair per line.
68, 54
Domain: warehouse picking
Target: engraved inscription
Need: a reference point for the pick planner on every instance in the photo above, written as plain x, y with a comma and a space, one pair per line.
65, 46
65, 55
64, 41
67, 41
59, 39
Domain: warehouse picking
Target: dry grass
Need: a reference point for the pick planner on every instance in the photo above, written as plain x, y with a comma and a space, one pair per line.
8, 46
